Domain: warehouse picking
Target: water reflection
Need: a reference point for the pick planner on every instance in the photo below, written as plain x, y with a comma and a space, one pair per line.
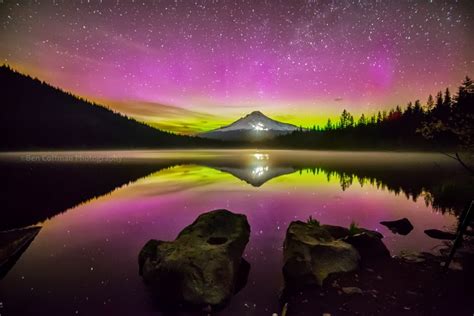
95, 217
257, 171
36, 191
40, 188
12, 245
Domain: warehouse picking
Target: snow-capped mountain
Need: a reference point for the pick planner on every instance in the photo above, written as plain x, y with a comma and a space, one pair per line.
253, 126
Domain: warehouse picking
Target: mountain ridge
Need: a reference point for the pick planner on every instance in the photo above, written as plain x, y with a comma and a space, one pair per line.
46, 117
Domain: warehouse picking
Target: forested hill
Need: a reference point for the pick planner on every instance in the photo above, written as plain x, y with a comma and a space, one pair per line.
35, 115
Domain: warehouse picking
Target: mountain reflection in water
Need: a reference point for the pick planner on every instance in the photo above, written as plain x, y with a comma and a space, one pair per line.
40, 187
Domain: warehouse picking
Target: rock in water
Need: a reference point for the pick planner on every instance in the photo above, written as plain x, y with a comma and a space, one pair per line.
409, 256
339, 232
401, 226
201, 266
311, 254
439, 234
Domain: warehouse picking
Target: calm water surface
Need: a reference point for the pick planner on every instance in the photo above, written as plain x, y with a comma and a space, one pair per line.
97, 209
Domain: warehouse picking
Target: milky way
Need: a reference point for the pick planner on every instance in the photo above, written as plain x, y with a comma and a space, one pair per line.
194, 65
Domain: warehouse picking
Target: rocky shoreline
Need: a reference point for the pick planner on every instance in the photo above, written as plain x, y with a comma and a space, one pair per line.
327, 270
411, 285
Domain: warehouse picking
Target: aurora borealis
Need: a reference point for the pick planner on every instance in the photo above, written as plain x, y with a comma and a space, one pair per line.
190, 66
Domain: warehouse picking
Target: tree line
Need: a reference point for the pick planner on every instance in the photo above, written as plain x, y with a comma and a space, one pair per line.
442, 122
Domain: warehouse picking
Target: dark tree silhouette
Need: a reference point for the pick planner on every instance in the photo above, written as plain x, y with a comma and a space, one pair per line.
446, 124
430, 103
454, 121
36, 115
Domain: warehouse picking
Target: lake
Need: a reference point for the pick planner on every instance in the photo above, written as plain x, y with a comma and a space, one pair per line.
97, 210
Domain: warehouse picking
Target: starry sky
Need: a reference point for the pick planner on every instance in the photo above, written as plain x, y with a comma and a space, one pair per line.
191, 66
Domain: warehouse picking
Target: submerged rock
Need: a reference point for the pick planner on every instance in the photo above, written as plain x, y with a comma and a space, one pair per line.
311, 254
412, 256
454, 265
439, 234
350, 290
401, 226
202, 266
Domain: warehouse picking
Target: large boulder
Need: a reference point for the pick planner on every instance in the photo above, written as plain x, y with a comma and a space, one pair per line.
336, 232
311, 254
369, 245
367, 242
200, 267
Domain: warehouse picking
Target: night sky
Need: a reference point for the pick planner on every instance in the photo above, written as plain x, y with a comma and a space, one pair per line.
190, 66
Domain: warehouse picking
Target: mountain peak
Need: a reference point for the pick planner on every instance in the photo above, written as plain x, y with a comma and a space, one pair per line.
255, 125
256, 113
